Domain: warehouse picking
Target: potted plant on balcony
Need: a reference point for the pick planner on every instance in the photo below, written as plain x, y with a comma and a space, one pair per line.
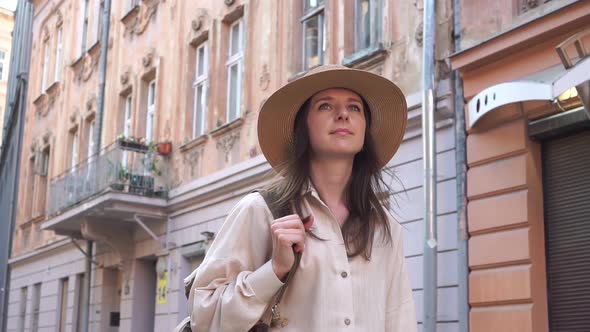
132, 143
121, 179
164, 148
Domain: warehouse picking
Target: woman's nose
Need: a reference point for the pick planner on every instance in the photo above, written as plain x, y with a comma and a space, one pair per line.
342, 113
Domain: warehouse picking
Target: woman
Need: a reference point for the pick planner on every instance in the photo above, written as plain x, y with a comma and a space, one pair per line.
327, 135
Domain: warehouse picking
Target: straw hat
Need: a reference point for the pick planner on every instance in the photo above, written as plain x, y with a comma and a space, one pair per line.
387, 104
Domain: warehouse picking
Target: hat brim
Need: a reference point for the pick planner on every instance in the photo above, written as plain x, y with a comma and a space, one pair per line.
387, 104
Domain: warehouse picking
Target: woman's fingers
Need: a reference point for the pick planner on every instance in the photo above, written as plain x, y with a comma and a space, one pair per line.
292, 222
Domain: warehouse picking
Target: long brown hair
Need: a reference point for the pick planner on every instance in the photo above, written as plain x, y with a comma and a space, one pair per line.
364, 191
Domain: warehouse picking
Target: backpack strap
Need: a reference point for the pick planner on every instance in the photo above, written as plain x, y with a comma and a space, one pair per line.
271, 315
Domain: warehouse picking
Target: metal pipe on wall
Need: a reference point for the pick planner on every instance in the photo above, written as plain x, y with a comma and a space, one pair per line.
429, 154
106, 12
15, 119
461, 168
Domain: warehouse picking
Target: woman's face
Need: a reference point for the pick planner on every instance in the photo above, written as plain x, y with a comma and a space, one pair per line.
336, 124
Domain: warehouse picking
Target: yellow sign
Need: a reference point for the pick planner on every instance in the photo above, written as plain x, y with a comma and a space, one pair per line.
163, 288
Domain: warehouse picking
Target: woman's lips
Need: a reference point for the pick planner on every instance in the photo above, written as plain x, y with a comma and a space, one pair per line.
342, 131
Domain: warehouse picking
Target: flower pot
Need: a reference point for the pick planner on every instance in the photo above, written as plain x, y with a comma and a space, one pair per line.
164, 148
133, 146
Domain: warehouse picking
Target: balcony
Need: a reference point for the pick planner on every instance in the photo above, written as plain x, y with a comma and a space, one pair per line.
126, 180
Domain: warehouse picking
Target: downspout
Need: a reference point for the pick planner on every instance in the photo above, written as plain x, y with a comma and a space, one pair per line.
429, 154
22, 32
461, 168
97, 139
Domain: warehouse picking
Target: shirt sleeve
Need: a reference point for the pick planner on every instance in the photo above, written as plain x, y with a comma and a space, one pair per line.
401, 310
235, 282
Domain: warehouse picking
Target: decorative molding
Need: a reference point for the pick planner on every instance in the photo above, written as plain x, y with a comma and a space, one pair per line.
59, 18
91, 103
192, 163
200, 27
197, 23
138, 18
527, 5
419, 34
194, 143
233, 15
46, 138
147, 60
227, 127
45, 34
125, 78
40, 103
226, 143
264, 80
84, 67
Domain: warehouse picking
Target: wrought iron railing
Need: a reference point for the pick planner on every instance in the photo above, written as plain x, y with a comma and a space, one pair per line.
125, 167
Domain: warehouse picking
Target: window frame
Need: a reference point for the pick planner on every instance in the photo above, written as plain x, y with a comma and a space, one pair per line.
58, 54
150, 111
308, 15
35, 307
236, 59
62, 302
374, 28
45, 66
2, 62
200, 111
24, 293
85, 17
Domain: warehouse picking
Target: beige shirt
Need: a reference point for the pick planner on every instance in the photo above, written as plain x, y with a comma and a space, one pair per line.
329, 292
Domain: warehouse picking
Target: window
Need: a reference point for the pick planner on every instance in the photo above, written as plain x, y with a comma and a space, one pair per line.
98, 7
234, 70
22, 313
314, 39
151, 111
35, 307
45, 65
58, 50
367, 24
84, 7
43, 175
127, 116
200, 91
30, 192
62, 305
80, 300
73, 150
91, 145
2, 73
127, 121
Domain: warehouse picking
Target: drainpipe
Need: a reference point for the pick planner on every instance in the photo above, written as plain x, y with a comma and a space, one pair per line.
429, 153
97, 138
20, 62
104, 46
87, 287
461, 167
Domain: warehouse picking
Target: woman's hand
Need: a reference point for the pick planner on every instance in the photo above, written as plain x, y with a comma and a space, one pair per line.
288, 237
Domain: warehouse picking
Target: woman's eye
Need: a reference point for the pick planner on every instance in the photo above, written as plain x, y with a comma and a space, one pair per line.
325, 106
355, 108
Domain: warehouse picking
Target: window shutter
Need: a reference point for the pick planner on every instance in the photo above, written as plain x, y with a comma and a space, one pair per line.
566, 187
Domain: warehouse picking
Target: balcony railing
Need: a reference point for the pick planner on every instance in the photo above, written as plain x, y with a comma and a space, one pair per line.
124, 167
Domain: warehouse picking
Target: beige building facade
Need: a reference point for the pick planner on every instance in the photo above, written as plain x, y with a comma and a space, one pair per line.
178, 144
6, 26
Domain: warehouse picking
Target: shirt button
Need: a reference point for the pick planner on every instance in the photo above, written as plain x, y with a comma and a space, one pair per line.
347, 321
344, 274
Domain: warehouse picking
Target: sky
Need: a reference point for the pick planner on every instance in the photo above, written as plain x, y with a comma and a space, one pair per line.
8, 4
